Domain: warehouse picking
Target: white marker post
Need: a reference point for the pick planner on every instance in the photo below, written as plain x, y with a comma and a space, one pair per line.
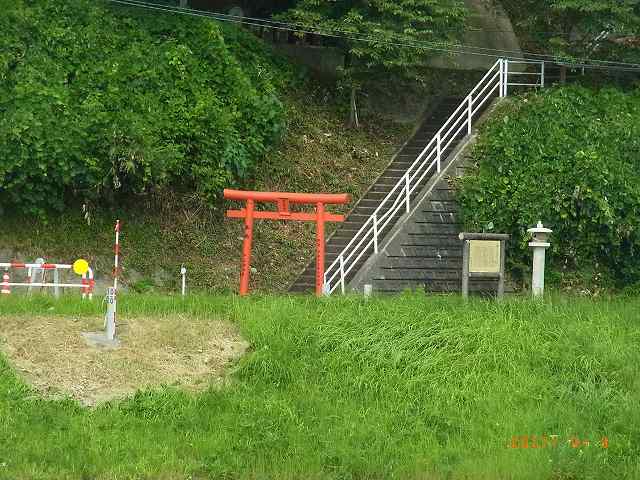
110, 318
539, 243
107, 338
112, 293
183, 272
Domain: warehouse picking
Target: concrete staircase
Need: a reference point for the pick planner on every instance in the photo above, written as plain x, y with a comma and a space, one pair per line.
424, 252
383, 185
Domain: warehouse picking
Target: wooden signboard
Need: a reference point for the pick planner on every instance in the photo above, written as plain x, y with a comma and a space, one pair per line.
483, 255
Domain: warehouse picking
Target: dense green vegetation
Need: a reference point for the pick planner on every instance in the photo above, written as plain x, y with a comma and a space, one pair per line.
568, 157
98, 102
162, 231
168, 225
579, 29
409, 387
389, 25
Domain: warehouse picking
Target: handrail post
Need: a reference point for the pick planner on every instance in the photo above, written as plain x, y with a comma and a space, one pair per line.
439, 150
506, 77
342, 285
470, 119
375, 232
407, 191
501, 77
542, 75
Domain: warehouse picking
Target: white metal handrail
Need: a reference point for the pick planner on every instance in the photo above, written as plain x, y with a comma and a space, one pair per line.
495, 81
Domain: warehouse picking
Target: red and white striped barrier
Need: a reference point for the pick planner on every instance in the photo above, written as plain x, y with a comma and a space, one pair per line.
116, 259
6, 290
87, 284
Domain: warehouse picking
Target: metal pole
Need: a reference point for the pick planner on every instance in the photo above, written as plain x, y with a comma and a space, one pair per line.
110, 318
542, 75
439, 150
342, 279
506, 77
245, 271
375, 233
470, 119
501, 77
320, 248
116, 258
407, 192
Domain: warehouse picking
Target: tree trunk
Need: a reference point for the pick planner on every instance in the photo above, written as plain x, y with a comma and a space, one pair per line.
563, 74
353, 116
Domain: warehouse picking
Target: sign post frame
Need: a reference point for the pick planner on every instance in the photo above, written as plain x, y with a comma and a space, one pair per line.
467, 273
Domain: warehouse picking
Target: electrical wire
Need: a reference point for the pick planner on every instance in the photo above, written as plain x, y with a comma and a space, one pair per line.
345, 34
301, 28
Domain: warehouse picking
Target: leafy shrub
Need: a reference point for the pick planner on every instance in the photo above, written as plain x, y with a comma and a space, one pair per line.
97, 101
568, 157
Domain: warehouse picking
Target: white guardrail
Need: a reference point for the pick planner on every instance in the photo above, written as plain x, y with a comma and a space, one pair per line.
496, 82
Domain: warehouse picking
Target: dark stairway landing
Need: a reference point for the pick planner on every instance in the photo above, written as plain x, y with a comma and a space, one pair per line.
370, 201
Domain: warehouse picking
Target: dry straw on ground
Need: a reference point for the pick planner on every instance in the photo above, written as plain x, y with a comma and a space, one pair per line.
51, 355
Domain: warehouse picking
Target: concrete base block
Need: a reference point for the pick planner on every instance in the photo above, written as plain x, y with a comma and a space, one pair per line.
100, 340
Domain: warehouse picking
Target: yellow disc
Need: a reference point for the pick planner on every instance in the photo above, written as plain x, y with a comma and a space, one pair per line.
80, 267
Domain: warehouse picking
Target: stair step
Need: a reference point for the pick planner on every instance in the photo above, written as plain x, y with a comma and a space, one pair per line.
441, 206
433, 263
443, 194
427, 275
419, 251
439, 217
429, 239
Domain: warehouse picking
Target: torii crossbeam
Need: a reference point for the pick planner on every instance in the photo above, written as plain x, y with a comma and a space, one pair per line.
283, 201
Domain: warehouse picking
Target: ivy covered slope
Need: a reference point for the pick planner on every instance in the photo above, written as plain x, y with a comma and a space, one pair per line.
99, 102
569, 157
144, 116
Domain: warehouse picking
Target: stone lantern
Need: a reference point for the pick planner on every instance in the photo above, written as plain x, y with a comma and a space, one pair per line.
539, 243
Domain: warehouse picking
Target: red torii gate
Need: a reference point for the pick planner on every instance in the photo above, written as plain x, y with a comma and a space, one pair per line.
283, 201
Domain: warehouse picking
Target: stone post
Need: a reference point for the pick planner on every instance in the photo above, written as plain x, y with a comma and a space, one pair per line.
539, 243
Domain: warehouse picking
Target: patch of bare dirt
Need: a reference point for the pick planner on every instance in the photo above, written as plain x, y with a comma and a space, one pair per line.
51, 355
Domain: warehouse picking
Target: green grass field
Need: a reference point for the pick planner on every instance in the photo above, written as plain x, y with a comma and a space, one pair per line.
410, 387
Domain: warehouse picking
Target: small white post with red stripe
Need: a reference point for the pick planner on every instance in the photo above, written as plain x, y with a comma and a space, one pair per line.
6, 289
112, 293
107, 338
116, 260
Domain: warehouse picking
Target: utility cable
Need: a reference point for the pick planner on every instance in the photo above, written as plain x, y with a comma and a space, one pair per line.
344, 34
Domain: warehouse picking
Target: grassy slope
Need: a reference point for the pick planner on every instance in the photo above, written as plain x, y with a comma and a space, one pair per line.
411, 387
318, 155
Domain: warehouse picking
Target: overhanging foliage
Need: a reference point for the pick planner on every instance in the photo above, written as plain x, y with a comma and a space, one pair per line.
97, 102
